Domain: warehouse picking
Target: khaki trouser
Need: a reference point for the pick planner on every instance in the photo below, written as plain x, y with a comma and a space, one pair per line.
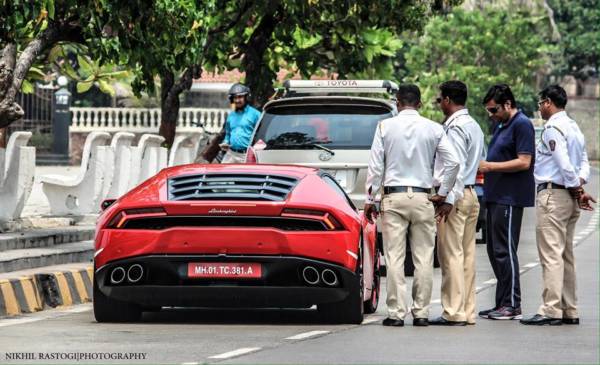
557, 212
234, 157
410, 213
456, 253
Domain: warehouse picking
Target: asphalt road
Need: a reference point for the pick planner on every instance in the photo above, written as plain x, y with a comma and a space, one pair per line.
296, 336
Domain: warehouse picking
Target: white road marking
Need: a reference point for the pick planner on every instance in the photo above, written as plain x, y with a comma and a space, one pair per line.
436, 301
491, 281
478, 288
234, 353
531, 264
302, 336
189, 363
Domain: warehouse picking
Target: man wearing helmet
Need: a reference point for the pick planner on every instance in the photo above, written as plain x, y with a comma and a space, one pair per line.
239, 125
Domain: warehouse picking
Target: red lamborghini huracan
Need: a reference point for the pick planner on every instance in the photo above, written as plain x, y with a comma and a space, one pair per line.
271, 236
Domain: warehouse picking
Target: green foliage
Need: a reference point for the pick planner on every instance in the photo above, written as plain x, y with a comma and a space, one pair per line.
480, 49
579, 26
147, 37
350, 38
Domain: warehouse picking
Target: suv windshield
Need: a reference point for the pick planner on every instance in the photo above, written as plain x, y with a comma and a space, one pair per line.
335, 126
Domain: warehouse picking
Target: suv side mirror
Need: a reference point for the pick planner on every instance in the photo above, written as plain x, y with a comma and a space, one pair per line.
107, 203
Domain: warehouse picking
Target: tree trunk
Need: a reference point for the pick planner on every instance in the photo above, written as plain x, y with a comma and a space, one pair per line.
169, 100
259, 77
13, 72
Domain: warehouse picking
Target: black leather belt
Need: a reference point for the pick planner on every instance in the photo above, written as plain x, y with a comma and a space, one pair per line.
403, 189
238, 151
437, 188
545, 186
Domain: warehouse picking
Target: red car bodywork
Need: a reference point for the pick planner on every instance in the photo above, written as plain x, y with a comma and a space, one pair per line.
146, 222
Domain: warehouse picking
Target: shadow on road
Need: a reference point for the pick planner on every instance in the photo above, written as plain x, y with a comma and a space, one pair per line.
234, 316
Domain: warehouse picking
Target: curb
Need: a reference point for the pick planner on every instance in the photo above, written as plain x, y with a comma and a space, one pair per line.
37, 292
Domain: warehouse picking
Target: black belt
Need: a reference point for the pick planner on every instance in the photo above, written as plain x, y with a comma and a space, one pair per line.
545, 186
437, 188
238, 151
404, 189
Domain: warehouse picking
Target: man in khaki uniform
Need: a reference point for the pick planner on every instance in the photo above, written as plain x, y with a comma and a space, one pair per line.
402, 157
561, 170
456, 234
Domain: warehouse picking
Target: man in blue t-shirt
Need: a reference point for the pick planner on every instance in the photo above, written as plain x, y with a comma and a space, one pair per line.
508, 187
239, 125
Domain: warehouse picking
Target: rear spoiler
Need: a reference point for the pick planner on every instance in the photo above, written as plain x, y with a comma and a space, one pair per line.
338, 86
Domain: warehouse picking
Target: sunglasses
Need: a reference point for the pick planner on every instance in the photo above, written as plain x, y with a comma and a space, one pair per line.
541, 102
493, 110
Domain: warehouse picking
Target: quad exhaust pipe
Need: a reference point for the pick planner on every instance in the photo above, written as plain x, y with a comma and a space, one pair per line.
117, 275
311, 275
329, 277
135, 273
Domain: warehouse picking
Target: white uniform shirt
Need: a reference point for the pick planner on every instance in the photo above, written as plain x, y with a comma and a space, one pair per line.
467, 139
403, 152
561, 157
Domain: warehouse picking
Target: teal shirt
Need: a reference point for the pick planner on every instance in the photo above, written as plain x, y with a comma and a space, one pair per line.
239, 127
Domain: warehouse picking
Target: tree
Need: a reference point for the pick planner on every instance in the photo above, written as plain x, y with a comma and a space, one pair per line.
579, 26
307, 37
480, 48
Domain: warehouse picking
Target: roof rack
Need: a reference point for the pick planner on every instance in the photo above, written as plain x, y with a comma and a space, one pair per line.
339, 86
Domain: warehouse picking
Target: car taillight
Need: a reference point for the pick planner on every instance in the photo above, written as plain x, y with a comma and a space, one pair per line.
329, 220
250, 155
479, 178
120, 218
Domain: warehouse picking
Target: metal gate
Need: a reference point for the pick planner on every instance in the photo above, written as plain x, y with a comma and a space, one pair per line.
38, 107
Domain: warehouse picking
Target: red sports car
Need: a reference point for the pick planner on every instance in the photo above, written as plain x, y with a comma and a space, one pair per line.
271, 236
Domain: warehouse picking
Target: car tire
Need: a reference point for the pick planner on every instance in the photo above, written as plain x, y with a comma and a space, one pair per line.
111, 310
351, 309
373, 302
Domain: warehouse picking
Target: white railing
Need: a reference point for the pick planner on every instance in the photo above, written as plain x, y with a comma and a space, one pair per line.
144, 120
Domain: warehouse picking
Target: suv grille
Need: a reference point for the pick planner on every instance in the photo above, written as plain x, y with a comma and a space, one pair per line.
231, 187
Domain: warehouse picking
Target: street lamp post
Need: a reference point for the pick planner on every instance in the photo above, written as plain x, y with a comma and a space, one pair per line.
61, 119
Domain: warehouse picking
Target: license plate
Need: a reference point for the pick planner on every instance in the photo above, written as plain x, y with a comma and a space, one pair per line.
247, 270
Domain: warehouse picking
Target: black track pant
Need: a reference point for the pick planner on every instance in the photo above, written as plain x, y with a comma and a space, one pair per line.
504, 229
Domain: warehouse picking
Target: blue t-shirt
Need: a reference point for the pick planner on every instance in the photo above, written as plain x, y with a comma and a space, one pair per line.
509, 140
239, 127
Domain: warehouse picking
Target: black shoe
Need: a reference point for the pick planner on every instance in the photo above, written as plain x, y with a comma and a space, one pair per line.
486, 313
441, 321
570, 320
393, 322
541, 320
421, 322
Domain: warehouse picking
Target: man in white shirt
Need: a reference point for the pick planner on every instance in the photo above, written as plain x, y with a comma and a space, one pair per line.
401, 162
456, 233
561, 170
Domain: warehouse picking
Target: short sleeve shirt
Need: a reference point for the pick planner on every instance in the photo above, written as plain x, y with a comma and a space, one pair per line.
508, 141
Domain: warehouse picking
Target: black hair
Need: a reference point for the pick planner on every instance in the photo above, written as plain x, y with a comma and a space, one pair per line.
409, 94
455, 90
556, 94
500, 93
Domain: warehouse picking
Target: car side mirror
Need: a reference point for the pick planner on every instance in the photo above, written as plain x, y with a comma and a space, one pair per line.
107, 203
